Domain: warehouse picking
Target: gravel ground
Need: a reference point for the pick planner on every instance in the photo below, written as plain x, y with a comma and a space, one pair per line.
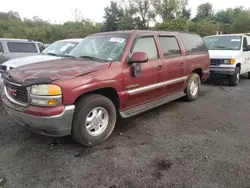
204, 144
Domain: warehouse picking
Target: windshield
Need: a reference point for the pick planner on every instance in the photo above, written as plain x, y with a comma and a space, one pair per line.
223, 42
101, 47
60, 48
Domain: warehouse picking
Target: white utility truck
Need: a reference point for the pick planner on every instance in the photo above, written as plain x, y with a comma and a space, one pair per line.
229, 55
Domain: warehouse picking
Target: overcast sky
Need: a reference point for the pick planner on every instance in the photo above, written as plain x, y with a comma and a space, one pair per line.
60, 11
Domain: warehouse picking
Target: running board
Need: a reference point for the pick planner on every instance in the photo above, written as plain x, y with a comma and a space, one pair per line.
144, 107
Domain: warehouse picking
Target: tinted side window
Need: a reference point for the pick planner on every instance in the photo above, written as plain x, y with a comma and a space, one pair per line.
170, 46
1, 47
148, 46
193, 43
22, 47
245, 44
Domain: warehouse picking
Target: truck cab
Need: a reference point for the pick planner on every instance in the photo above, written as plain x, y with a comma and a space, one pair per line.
229, 56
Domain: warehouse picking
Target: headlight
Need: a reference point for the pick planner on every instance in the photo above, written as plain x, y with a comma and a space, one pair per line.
45, 95
45, 90
229, 61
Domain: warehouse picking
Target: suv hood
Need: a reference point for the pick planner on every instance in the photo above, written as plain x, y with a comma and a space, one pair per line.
17, 62
223, 54
52, 70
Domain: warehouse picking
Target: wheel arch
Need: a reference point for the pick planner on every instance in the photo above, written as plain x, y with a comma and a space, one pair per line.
108, 92
238, 65
198, 71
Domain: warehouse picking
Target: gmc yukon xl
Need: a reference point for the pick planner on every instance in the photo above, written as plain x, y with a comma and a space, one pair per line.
107, 75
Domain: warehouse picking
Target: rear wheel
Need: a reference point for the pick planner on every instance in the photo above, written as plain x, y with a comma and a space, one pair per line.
235, 78
94, 120
193, 87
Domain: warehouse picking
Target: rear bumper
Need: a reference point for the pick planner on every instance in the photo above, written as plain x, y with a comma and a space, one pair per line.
56, 125
222, 70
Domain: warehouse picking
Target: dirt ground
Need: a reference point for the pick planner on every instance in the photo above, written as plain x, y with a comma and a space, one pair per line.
204, 144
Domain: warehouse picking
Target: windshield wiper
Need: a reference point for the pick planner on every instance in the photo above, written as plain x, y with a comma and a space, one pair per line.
224, 47
91, 58
53, 54
66, 55
59, 55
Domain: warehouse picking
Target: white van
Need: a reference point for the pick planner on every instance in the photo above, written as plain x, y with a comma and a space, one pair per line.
229, 55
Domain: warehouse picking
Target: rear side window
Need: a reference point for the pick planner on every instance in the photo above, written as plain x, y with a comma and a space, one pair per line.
21, 47
170, 46
193, 43
147, 45
1, 47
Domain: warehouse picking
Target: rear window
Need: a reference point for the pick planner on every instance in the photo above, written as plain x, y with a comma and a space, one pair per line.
22, 47
1, 47
193, 43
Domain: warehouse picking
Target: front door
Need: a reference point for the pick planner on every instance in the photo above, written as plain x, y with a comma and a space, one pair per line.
246, 56
174, 64
145, 86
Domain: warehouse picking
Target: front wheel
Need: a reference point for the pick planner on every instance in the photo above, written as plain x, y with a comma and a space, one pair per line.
193, 87
94, 120
235, 78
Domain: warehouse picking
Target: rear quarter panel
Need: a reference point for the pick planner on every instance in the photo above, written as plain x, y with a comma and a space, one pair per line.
197, 61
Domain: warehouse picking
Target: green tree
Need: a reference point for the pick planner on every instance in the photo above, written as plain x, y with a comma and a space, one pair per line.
112, 17
204, 11
241, 22
166, 9
183, 11
178, 24
203, 27
144, 13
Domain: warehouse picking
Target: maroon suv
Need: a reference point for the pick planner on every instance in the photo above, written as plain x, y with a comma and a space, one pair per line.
107, 75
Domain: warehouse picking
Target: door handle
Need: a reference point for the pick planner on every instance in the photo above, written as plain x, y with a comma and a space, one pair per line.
182, 64
160, 67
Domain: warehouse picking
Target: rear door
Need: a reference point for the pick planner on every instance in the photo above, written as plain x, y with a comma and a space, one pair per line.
174, 64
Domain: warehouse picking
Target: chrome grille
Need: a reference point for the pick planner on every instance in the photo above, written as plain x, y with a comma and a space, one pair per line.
16, 92
216, 62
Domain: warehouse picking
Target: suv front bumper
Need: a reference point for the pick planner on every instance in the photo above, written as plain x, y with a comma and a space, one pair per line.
56, 125
222, 70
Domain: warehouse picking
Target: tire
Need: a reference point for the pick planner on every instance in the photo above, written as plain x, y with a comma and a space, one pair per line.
235, 78
191, 92
248, 75
98, 128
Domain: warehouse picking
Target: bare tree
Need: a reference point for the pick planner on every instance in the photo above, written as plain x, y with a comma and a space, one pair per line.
77, 15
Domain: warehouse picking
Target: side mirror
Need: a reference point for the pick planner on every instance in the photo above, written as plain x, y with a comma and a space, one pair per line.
138, 57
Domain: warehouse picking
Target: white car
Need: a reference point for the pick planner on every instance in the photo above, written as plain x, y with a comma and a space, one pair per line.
57, 50
229, 55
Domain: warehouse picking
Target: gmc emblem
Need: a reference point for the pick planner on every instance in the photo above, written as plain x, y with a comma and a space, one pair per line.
12, 92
